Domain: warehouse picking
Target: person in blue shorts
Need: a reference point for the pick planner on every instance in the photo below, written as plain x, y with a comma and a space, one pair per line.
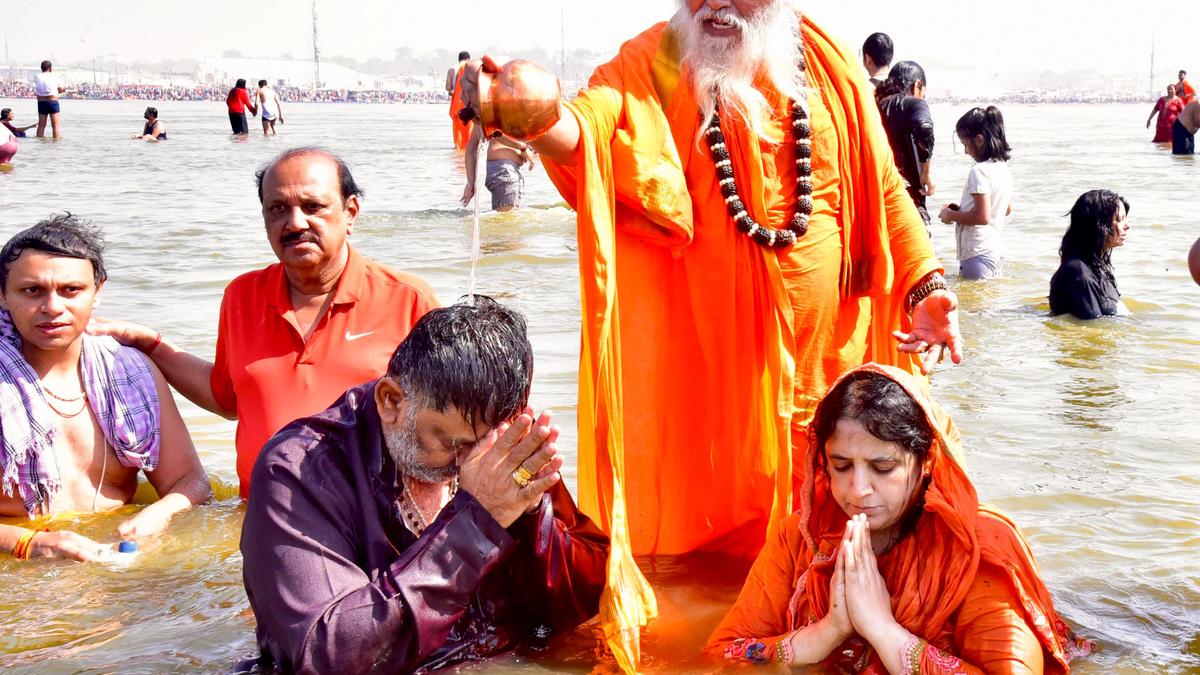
47, 88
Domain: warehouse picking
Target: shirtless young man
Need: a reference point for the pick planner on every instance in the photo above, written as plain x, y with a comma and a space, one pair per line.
505, 158
80, 416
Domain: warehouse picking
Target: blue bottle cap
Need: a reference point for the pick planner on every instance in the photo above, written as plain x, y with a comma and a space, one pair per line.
127, 547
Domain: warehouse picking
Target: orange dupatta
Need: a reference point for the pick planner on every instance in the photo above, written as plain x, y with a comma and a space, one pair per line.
931, 569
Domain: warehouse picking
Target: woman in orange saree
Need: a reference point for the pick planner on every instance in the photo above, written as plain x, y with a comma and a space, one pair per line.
891, 565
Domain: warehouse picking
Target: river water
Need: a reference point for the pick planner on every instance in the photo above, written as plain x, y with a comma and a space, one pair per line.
1085, 434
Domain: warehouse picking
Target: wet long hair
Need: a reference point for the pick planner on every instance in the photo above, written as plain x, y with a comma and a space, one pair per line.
989, 123
900, 80
1092, 224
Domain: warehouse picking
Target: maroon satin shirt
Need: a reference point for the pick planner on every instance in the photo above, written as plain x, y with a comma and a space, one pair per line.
339, 585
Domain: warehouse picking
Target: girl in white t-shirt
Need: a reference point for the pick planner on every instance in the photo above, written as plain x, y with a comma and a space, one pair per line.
987, 198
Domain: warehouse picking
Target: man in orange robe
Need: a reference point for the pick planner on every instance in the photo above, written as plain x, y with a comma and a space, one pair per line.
703, 352
461, 131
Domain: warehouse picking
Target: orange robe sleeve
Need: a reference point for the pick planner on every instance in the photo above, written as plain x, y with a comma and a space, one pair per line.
610, 174
992, 632
991, 635
759, 618
888, 250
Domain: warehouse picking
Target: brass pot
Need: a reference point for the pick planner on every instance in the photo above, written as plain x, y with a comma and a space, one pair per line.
521, 100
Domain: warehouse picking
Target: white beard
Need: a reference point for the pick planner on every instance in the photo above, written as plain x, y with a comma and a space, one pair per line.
404, 446
722, 69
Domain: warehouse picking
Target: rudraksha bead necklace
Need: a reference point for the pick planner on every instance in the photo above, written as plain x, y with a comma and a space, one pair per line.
764, 235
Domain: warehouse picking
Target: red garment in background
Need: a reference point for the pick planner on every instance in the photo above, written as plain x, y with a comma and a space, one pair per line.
237, 100
1167, 111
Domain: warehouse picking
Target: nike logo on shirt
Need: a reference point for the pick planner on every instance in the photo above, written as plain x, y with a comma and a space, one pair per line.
351, 337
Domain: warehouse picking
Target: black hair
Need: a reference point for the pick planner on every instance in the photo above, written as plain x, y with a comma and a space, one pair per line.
1091, 227
473, 356
901, 79
64, 235
463, 56
346, 181
989, 123
45, 66
5, 113
232, 95
884, 409
262, 83
1183, 72
880, 48
888, 413
151, 110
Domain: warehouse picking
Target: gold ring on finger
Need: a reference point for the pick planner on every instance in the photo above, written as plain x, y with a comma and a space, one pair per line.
525, 473
521, 481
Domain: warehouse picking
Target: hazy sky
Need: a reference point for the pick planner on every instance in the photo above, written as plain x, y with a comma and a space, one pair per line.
1003, 35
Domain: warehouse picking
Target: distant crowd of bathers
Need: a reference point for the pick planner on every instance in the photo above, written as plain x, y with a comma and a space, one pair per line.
217, 92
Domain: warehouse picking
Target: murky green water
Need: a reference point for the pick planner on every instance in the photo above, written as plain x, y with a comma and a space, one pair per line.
1085, 433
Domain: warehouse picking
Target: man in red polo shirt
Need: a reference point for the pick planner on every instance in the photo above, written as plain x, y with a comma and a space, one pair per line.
295, 335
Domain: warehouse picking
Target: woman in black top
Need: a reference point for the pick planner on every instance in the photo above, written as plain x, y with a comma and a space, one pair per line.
1085, 284
909, 128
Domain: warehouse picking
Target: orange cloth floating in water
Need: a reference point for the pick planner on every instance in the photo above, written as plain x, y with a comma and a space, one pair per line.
700, 349
964, 579
462, 132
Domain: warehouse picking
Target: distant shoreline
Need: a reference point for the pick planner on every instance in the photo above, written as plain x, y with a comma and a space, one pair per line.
213, 93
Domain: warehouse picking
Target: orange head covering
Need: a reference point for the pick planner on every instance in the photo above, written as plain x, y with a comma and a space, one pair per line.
931, 568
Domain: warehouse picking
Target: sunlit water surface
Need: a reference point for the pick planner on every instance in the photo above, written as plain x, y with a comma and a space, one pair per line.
1084, 432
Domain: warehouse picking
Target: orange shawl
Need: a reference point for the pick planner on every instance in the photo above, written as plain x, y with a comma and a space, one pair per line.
687, 354
929, 571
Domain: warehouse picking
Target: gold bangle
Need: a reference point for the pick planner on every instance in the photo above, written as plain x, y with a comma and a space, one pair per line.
24, 544
783, 650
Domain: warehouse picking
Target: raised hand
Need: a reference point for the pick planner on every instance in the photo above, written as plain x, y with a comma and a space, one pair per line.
839, 615
470, 81
868, 602
934, 331
511, 467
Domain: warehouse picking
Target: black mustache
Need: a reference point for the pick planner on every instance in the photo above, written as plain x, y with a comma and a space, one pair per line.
299, 238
